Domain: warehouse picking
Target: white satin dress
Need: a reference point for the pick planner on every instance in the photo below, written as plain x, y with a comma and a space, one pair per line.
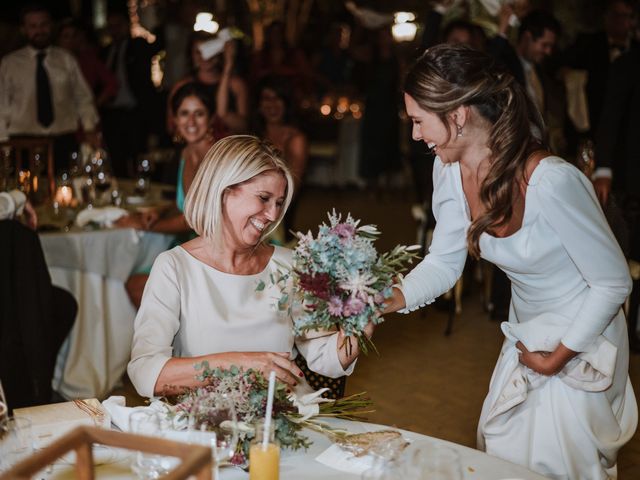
569, 279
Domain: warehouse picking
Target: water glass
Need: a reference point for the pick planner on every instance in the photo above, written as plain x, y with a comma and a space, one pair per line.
432, 461
16, 441
146, 466
213, 423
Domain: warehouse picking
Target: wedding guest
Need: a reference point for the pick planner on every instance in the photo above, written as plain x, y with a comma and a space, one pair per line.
500, 195
201, 302
275, 123
617, 151
14, 205
130, 117
193, 111
43, 92
73, 36
230, 90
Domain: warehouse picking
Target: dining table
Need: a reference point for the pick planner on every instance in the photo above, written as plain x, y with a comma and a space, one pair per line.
320, 461
93, 264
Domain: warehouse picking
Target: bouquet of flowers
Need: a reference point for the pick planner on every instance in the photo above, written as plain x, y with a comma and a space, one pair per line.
247, 391
338, 279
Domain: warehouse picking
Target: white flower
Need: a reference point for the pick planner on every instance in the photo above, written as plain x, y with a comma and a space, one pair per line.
370, 229
359, 283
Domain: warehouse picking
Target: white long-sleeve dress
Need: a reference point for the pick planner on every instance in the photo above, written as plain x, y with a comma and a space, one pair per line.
189, 309
569, 279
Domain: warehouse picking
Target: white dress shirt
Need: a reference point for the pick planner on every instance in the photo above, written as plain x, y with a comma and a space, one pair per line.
190, 309
71, 96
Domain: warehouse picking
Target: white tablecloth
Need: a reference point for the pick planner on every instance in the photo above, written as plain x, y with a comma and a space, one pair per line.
93, 266
301, 465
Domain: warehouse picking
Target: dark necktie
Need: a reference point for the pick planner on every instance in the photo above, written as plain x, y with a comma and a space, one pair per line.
43, 93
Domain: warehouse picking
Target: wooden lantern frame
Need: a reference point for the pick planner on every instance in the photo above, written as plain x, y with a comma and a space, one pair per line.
196, 459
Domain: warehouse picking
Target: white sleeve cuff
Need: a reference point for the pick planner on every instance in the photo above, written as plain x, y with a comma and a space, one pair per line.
602, 172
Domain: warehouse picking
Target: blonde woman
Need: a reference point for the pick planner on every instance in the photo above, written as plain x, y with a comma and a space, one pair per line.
201, 303
560, 401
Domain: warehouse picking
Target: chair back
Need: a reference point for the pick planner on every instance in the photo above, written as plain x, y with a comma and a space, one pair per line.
32, 159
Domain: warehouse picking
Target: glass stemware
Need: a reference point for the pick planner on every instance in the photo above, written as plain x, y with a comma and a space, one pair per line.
586, 157
146, 466
16, 441
213, 422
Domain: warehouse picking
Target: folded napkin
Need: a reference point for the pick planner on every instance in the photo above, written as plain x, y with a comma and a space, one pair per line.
339, 459
104, 216
119, 413
53, 420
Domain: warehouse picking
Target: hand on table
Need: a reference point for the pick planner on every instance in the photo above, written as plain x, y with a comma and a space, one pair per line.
140, 221
133, 220
545, 363
286, 370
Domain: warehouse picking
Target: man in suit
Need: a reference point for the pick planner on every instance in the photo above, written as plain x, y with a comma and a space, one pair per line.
616, 148
596, 51
126, 119
43, 92
537, 37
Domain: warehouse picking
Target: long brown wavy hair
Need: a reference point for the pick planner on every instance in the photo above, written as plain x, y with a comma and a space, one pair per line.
446, 77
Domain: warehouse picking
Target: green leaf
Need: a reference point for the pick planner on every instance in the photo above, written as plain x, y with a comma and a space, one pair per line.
261, 286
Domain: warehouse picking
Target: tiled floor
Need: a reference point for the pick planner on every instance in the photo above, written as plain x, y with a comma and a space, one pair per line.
422, 380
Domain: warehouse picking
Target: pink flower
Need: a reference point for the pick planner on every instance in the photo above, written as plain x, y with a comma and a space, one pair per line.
344, 230
335, 306
353, 306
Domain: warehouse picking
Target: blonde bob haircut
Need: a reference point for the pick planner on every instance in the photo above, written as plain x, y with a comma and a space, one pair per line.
230, 162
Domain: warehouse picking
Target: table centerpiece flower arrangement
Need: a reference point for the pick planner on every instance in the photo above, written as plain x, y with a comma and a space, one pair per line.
247, 391
338, 280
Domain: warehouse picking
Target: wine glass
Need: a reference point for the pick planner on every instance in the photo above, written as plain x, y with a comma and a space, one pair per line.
103, 180
16, 441
213, 422
143, 172
146, 466
4, 407
7, 169
428, 460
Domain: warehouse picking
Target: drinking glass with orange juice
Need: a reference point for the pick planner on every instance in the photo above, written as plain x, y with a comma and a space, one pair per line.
264, 457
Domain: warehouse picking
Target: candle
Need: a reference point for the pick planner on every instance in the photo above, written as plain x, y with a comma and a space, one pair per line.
64, 196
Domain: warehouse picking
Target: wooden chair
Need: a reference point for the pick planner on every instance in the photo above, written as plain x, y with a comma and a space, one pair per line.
24, 150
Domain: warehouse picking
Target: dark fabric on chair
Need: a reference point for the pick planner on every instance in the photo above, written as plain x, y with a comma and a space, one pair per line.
336, 386
34, 317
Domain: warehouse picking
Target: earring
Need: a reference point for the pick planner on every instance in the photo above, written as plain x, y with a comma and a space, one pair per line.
459, 129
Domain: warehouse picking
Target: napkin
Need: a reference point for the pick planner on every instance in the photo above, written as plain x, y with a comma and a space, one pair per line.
339, 459
49, 422
119, 413
104, 216
213, 47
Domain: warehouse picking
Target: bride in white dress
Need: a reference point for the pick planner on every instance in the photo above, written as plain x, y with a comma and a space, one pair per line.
201, 302
560, 401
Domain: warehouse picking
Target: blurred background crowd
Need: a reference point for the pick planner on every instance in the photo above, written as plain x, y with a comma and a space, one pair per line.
153, 84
